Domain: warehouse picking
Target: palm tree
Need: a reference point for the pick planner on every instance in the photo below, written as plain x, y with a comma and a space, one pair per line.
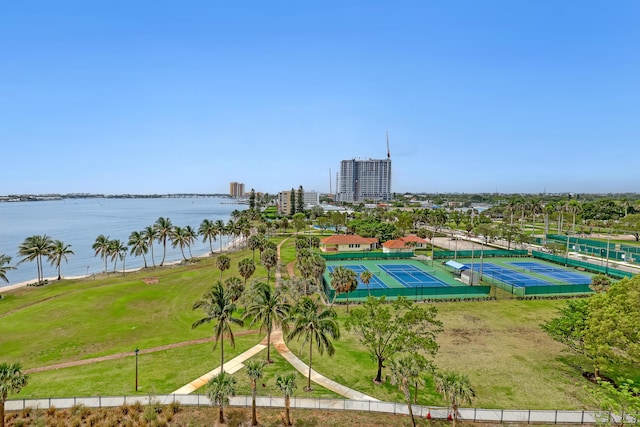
34, 248
403, 371
235, 287
313, 322
366, 277
218, 307
149, 234
59, 252
343, 280
116, 250
255, 370
163, 228
5, 260
223, 263
287, 385
246, 268
269, 259
219, 389
101, 246
138, 245
254, 243
456, 388
191, 236
232, 230
208, 232
269, 308
219, 230
179, 238
12, 380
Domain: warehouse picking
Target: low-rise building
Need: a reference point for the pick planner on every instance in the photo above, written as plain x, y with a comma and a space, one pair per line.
347, 243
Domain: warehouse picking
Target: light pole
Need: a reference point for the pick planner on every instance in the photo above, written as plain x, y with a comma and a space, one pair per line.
137, 351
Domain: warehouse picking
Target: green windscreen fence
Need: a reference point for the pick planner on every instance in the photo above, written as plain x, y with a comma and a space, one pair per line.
492, 253
593, 268
598, 248
417, 293
365, 255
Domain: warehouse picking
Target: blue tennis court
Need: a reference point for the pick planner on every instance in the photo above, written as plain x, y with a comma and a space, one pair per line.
374, 283
510, 277
411, 276
555, 273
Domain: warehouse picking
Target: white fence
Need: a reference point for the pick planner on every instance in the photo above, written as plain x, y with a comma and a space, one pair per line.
487, 415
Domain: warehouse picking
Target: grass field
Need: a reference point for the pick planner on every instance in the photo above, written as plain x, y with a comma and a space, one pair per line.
499, 344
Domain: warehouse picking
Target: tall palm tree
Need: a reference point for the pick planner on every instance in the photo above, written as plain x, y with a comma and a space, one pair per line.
255, 243
149, 234
343, 281
191, 236
287, 385
269, 309
404, 370
33, 249
455, 388
163, 228
220, 230
139, 245
246, 268
219, 389
223, 262
12, 380
218, 307
312, 322
366, 277
232, 230
235, 287
269, 259
255, 371
5, 260
244, 228
178, 237
59, 252
117, 250
208, 232
101, 246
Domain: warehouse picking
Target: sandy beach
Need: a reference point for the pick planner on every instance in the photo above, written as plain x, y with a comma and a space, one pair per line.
232, 243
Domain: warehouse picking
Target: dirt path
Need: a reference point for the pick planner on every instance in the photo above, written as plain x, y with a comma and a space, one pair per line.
129, 353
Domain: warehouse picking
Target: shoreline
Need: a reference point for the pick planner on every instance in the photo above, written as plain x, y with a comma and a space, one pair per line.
232, 243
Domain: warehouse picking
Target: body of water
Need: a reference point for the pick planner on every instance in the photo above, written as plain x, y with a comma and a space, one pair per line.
77, 222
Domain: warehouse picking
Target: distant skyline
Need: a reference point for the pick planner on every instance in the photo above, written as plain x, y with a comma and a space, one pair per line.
507, 96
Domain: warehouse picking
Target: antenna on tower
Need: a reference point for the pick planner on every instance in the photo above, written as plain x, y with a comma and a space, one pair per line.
330, 184
388, 149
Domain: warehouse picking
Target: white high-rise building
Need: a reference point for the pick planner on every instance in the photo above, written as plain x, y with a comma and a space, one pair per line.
362, 180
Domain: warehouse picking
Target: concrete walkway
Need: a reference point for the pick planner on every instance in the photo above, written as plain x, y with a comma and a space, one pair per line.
303, 368
230, 366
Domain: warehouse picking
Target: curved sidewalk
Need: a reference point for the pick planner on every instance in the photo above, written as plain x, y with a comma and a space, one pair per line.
303, 368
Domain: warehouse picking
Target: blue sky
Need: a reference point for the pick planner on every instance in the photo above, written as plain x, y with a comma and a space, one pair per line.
166, 97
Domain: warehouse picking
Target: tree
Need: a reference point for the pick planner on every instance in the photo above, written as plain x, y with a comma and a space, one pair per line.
178, 237
365, 277
208, 232
190, 237
149, 234
59, 252
621, 402
456, 389
218, 307
404, 370
570, 327
223, 262
269, 309
269, 259
631, 224
299, 221
300, 200
33, 249
219, 389
138, 245
600, 283
163, 229
343, 281
292, 201
220, 230
5, 260
287, 385
386, 330
255, 370
12, 380
116, 250
101, 246
246, 268
255, 242
235, 287
312, 322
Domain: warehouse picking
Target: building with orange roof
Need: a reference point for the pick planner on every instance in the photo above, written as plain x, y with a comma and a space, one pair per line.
347, 243
404, 244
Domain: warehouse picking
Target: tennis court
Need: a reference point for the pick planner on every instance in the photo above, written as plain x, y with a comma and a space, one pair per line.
510, 277
411, 276
554, 273
374, 283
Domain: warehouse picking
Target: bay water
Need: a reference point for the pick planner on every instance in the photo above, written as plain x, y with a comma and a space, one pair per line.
77, 222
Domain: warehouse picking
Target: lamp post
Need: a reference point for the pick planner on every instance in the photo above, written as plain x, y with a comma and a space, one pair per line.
137, 351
